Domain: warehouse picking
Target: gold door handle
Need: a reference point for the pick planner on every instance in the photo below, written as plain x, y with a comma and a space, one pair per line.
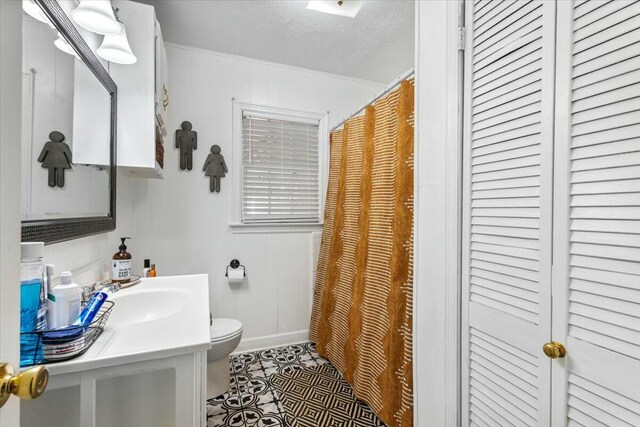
554, 350
28, 384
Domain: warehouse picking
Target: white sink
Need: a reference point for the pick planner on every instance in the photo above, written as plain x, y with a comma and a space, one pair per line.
160, 317
146, 305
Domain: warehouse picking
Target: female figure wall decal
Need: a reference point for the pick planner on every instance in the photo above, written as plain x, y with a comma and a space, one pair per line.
55, 156
215, 168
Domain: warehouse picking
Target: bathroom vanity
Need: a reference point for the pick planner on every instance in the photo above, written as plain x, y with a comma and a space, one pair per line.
147, 368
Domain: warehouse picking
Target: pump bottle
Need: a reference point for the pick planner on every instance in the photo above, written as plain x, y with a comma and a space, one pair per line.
121, 265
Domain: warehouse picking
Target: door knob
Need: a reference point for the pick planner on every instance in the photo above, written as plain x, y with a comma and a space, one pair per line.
28, 384
554, 350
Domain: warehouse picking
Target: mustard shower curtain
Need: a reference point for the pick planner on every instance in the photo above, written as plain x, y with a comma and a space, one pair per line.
362, 306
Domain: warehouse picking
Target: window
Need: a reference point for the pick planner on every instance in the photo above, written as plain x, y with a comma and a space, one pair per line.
280, 167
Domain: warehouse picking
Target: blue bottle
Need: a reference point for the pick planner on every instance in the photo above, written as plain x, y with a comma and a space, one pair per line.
31, 289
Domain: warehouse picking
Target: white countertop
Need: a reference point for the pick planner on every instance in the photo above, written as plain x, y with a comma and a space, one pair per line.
160, 317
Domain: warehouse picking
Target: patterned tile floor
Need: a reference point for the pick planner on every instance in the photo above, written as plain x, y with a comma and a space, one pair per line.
252, 400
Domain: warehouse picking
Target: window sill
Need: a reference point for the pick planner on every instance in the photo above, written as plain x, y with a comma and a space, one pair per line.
275, 228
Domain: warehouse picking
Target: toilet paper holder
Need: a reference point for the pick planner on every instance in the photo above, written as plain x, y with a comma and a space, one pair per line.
235, 264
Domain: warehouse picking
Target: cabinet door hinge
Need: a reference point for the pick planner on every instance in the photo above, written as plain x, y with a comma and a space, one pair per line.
461, 38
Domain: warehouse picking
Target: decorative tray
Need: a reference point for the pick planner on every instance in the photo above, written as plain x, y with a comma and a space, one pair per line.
133, 280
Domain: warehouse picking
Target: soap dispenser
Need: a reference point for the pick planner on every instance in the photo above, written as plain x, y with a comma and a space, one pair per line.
121, 272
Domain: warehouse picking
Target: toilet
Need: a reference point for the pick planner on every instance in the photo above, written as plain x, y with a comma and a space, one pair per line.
225, 337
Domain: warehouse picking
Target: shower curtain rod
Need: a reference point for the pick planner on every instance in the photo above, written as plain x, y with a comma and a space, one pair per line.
386, 90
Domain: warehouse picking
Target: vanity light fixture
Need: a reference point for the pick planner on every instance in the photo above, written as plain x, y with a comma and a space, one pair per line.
34, 11
96, 16
348, 8
115, 48
64, 46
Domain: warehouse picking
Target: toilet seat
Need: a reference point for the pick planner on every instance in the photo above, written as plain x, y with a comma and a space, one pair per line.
224, 329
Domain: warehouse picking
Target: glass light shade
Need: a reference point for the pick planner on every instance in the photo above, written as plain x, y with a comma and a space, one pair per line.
64, 46
116, 48
96, 16
34, 11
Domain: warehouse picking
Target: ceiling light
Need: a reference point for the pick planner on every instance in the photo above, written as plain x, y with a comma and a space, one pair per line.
64, 46
96, 16
34, 11
115, 48
348, 8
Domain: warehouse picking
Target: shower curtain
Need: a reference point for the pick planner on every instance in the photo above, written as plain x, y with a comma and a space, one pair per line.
362, 306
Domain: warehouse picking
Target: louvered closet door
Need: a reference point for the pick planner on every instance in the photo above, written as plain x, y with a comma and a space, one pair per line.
596, 277
508, 211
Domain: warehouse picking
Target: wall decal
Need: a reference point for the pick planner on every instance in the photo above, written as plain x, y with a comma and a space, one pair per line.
215, 168
186, 141
56, 156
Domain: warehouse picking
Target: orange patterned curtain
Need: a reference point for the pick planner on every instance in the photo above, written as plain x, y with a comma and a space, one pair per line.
362, 306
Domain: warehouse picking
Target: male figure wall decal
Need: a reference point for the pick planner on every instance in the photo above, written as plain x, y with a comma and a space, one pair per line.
55, 156
186, 141
215, 168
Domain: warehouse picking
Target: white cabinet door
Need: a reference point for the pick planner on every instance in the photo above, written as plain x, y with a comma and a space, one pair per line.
596, 276
136, 88
507, 231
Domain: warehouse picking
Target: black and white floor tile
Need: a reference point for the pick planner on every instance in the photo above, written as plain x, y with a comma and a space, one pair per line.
319, 396
253, 400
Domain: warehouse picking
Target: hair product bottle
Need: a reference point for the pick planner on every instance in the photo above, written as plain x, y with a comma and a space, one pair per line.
147, 267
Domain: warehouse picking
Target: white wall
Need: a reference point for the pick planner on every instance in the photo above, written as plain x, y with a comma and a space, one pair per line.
183, 228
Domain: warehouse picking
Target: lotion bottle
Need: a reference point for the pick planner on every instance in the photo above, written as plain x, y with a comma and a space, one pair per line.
121, 272
63, 302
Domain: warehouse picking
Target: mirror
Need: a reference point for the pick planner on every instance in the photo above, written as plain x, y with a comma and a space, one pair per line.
68, 131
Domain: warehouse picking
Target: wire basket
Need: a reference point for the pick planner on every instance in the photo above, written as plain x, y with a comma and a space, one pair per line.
46, 348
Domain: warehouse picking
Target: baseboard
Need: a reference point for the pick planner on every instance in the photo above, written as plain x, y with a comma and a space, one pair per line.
270, 341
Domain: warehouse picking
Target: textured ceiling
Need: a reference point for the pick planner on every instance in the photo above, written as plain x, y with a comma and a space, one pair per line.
375, 45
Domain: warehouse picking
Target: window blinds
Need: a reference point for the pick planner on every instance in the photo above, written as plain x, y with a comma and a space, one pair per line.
280, 171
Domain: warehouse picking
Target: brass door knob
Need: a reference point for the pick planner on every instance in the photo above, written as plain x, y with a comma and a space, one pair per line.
554, 350
28, 384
